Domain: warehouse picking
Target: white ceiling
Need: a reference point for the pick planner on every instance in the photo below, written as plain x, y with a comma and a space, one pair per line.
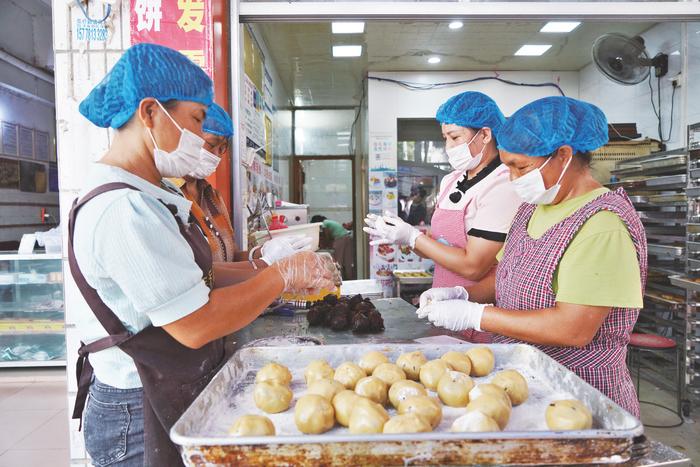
302, 52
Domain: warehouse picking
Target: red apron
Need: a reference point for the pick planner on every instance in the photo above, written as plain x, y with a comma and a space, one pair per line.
524, 282
172, 374
447, 227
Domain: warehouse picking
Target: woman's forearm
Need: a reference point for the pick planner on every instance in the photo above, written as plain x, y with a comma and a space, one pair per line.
226, 274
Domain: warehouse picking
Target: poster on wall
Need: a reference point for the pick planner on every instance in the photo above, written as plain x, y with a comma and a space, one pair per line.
186, 26
252, 116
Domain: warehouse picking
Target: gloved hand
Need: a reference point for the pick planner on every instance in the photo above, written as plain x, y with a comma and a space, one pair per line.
456, 315
307, 272
391, 230
281, 247
439, 294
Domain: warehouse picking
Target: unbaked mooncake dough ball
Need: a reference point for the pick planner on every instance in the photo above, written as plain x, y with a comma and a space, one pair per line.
274, 372
453, 388
513, 383
343, 403
327, 388
474, 422
411, 363
372, 388
568, 414
367, 417
313, 414
318, 369
482, 360
272, 397
404, 389
371, 360
407, 423
252, 425
488, 388
389, 373
431, 372
348, 374
423, 406
493, 406
458, 361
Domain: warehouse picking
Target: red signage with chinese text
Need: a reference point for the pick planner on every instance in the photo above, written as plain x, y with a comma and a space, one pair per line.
183, 25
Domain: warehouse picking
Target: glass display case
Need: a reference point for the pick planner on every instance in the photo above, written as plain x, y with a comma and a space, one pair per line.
32, 329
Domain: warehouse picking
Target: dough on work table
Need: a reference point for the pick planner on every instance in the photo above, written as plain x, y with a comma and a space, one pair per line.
272, 397
453, 388
482, 359
318, 369
252, 425
404, 389
423, 406
348, 374
431, 372
569, 414
458, 361
327, 388
488, 388
274, 372
372, 360
313, 414
474, 422
367, 417
389, 373
407, 423
514, 384
411, 363
343, 403
372, 388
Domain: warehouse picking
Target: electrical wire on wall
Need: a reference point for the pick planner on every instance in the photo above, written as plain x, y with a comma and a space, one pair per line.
87, 16
428, 86
351, 146
656, 107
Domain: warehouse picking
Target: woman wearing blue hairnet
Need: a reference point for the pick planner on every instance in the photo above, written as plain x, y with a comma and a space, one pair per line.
571, 276
475, 206
158, 307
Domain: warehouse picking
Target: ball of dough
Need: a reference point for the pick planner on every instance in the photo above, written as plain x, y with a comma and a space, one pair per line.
474, 422
318, 369
252, 425
411, 363
492, 389
367, 417
453, 388
313, 414
348, 374
492, 406
404, 389
343, 403
423, 406
431, 372
482, 360
458, 361
372, 388
272, 397
513, 383
407, 423
327, 388
389, 373
274, 372
568, 414
371, 360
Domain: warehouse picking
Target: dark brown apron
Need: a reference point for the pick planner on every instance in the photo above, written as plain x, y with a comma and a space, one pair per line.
172, 374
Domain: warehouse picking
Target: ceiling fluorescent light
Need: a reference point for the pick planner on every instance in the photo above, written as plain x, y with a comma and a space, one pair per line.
532, 50
348, 28
434, 60
456, 25
560, 26
347, 50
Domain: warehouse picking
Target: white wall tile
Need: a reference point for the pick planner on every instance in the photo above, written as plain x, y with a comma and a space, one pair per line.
61, 33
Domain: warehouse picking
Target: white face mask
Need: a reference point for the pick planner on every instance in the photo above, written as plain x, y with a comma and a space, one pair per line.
530, 187
207, 164
461, 158
184, 159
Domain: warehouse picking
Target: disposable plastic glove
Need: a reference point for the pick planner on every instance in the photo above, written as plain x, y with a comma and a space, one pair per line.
307, 272
439, 294
391, 230
281, 247
456, 315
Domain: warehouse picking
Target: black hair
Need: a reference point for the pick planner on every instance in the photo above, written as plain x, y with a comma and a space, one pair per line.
585, 159
318, 218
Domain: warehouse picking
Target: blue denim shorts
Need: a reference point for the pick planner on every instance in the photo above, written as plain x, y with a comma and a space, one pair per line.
113, 426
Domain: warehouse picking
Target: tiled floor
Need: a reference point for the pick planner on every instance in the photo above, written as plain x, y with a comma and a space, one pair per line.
34, 429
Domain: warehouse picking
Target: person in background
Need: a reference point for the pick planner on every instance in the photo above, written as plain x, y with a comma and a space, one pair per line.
330, 230
571, 277
417, 211
476, 203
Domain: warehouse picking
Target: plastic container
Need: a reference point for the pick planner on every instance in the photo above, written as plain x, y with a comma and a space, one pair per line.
310, 230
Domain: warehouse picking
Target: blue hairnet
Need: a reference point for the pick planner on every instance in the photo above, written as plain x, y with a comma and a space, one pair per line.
543, 126
145, 70
218, 122
471, 110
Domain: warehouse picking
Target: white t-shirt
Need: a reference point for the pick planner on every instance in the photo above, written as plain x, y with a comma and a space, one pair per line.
130, 249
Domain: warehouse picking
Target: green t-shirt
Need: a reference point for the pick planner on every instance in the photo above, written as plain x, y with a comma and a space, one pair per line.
335, 228
600, 266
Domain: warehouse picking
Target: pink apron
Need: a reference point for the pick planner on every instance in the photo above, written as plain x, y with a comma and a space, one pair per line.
524, 282
447, 227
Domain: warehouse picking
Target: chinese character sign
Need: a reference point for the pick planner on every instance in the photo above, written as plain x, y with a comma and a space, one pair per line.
183, 25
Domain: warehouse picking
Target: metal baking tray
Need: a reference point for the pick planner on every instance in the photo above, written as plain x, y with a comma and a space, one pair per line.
693, 192
663, 217
400, 276
664, 163
685, 282
668, 251
202, 429
678, 181
669, 199
693, 264
695, 174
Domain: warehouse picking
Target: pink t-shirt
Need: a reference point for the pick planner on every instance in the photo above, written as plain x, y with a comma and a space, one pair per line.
490, 204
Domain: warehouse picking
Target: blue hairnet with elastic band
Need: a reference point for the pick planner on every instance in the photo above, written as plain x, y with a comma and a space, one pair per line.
145, 70
471, 109
543, 126
218, 122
